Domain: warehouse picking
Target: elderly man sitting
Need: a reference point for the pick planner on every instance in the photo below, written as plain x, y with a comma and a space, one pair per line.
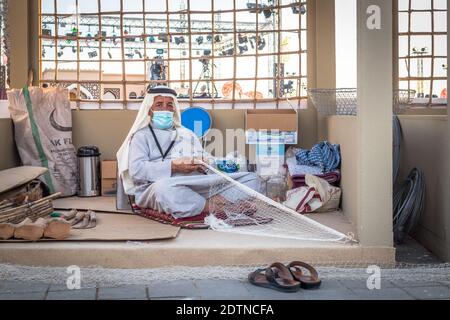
159, 161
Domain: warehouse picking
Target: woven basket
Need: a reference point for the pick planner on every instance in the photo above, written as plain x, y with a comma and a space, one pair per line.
343, 102
329, 102
33, 210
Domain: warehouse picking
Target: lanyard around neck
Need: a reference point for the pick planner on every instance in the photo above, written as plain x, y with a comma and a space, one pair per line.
163, 154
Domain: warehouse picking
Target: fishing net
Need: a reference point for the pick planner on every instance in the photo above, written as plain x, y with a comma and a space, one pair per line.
237, 207
97, 276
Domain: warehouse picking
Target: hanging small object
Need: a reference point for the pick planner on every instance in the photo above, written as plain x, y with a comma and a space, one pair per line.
179, 40
130, 55
114, 36
46, 32
261, 43
199, 40
138, 53
109, 54
74, 49
242, 39
243, 49
93, 54
298, 9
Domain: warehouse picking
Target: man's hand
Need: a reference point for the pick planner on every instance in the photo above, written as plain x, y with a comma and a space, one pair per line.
187, 165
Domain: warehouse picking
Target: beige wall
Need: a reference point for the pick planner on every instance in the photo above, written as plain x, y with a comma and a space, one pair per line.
18, 13
425, 144
342, 130
324, 52
9, 156
374, 134
108, 128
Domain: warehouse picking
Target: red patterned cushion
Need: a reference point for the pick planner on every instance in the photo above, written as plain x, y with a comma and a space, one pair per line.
198, 222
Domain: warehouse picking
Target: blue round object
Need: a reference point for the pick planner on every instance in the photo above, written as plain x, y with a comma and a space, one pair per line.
197, 120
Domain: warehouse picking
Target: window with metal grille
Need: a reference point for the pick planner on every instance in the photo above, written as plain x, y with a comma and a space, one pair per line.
238, 52
422, 50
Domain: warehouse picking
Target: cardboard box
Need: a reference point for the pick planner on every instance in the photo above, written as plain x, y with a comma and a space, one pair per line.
271, 126
109, 179
109, 169
279, 119
269, 137
269, 159
109, 187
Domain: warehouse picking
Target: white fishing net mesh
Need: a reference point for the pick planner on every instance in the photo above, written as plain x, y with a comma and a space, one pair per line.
236, 207
97, 276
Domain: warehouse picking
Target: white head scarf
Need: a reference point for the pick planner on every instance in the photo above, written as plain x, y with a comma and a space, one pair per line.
143, 120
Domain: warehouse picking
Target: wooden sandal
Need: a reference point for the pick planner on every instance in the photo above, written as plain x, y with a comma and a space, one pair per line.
78, 218
6, 231
70, 215
89, 221
57, 228
311, 281
28, 230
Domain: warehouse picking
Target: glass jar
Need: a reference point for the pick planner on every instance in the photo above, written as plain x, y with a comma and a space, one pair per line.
276, 188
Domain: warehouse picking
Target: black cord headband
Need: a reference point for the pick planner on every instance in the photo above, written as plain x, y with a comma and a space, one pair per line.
161, 90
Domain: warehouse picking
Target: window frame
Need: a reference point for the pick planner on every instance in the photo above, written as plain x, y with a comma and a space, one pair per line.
301, 77
426, 104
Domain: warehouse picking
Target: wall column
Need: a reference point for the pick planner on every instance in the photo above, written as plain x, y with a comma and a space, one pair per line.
325, 51
18, 32
375, 71
447, 169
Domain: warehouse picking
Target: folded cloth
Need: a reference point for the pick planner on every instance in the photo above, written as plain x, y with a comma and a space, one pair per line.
297, 169
324, 155
332, 178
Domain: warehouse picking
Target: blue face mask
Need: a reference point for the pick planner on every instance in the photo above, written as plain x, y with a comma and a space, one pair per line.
162, 119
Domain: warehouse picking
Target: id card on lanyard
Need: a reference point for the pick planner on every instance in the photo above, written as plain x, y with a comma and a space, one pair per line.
163, 154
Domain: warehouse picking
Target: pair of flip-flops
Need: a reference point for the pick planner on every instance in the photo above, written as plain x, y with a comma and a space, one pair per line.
82, 220
286, 278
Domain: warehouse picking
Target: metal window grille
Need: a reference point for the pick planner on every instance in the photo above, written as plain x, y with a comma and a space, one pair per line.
422, 50
198, 48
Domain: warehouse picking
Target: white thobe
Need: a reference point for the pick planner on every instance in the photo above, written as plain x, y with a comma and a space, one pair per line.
181, 195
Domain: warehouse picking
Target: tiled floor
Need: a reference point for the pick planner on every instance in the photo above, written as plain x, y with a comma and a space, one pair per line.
226, 290
240, 289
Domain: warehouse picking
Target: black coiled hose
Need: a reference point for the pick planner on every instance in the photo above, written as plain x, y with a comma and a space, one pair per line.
409, 195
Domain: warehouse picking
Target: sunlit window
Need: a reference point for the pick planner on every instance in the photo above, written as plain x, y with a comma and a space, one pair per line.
422, 42
210, 51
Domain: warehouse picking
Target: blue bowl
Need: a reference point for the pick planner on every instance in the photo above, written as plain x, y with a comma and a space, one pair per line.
227, 166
